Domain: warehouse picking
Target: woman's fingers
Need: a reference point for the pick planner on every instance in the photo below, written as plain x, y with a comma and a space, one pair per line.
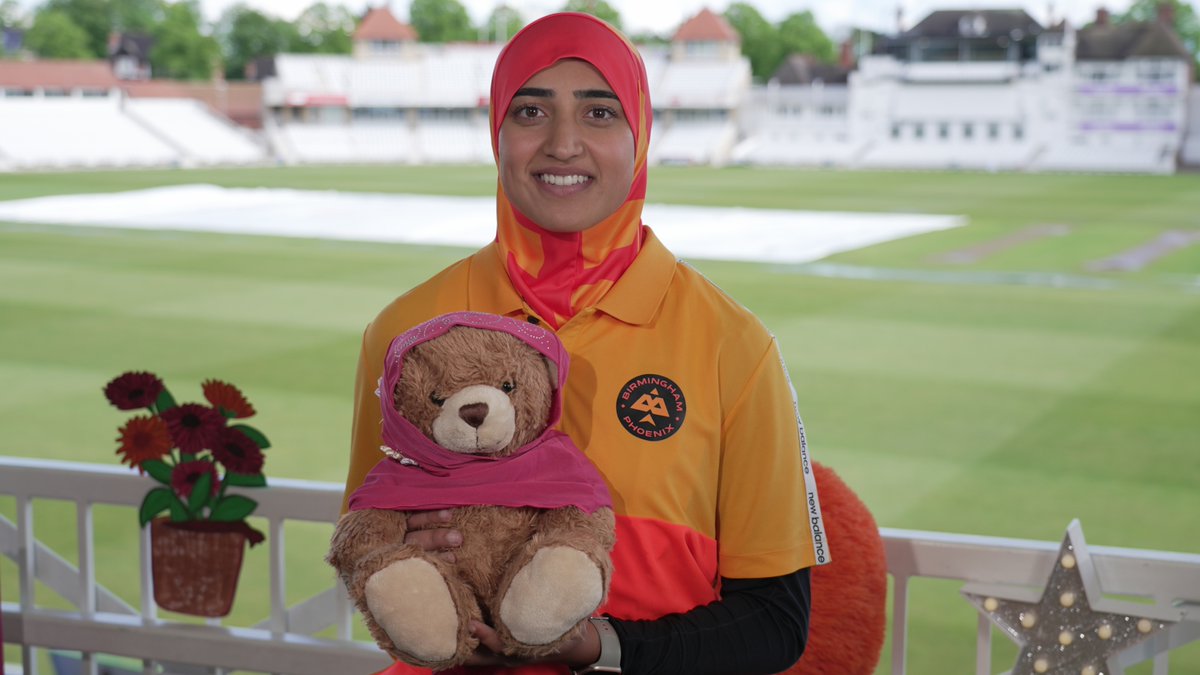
488, 652
421, 520
427, 531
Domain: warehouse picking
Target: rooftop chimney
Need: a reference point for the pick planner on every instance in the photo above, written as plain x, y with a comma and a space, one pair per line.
1102, 16
846, 54
1166, 13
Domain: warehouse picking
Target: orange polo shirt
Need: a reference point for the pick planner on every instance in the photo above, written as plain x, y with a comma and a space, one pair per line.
679, 396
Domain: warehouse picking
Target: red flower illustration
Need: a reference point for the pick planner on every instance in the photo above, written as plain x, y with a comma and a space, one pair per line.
227, 399
143, 438
178, 445
185, 475
133, 390
193, 426
237, 453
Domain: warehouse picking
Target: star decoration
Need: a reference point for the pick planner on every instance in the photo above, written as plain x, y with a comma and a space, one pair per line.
1070, 629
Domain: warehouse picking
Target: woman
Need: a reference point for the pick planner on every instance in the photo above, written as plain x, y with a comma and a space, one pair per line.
676, 393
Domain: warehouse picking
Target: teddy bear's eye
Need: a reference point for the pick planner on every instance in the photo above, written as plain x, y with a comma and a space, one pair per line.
436, 399
507, 387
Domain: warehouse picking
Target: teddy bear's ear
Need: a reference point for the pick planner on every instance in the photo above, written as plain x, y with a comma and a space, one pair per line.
553, 368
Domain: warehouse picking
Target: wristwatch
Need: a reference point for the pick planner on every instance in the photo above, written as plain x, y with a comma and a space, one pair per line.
610, 649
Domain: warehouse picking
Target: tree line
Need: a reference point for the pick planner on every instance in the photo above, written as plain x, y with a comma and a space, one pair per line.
186, 47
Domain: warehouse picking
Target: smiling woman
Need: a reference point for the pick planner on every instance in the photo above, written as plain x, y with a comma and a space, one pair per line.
677, 394
566, 150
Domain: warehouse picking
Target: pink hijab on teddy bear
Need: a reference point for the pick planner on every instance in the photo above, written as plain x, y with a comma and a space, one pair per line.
549, 472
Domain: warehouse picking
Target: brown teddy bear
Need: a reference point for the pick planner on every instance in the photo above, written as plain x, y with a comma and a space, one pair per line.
469, 402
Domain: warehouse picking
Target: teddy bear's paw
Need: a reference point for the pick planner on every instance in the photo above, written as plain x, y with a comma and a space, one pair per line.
409, 599
557, 589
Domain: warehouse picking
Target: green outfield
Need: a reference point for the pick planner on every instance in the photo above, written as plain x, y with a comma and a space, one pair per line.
1004, 395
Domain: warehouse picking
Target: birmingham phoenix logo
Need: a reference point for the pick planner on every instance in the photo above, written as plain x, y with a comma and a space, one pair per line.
651, 407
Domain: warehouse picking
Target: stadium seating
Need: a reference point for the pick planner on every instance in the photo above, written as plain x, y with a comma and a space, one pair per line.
794, 147
702, 84
1189, 154
313, 75
203, 137
454, 78
1128, 158
453, 142
694, 142
319, 143
933, 155
374, 83
89, 133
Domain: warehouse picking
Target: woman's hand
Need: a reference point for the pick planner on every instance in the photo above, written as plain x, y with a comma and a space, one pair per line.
578, 652
430, 531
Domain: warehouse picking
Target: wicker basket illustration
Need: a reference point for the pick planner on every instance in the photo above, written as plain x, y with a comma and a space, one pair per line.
195, 566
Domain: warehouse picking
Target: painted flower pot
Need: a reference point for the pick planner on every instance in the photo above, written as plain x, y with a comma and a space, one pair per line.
196, 565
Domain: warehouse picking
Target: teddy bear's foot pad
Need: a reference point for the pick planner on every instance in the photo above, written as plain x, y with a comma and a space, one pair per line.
411, 602
558, 588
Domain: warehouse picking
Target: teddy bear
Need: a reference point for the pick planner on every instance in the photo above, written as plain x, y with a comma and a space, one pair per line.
469, 403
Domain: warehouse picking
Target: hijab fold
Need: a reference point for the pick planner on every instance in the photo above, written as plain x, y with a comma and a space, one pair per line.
559, 274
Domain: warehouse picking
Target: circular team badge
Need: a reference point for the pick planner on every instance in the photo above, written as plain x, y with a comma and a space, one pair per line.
651, 407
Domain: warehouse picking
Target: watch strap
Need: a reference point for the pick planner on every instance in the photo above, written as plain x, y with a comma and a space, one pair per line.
610, 648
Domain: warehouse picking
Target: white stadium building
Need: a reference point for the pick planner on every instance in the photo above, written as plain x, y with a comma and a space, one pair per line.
964, 89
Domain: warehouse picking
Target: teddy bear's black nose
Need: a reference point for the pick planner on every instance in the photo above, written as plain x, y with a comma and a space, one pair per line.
474, 413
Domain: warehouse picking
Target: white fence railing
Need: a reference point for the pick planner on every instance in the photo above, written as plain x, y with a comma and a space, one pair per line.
101, 623
284, 642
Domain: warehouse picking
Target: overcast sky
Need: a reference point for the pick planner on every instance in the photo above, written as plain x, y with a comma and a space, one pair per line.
663, 16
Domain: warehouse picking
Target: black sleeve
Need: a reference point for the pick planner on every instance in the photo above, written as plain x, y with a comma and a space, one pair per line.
758, 626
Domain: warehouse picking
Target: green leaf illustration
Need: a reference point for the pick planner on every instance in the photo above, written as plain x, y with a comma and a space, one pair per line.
254, 434
158, 470
201, 493
165, 401
233, 508
246, 479
155, 502
179, 512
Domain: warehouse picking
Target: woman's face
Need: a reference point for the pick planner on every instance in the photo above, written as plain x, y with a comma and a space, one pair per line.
566, 149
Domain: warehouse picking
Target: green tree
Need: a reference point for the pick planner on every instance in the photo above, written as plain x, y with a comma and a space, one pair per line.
245, 34
138, 16
99, 18
1185, 21
180, 51
597, 8
649, 38
325, 29
94, 17
54, 35
441, 20
761, 42
502, 24
800, 34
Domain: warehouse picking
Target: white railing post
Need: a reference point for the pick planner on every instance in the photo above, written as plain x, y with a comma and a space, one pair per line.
84, 527
149, 611
278, 560
28, 573
101, 623
899, 622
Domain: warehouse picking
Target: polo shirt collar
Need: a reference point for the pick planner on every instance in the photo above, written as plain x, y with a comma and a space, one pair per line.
489, 289
640, 291
634, 299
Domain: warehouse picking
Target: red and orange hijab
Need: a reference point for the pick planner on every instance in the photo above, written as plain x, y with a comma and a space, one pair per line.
560, 274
